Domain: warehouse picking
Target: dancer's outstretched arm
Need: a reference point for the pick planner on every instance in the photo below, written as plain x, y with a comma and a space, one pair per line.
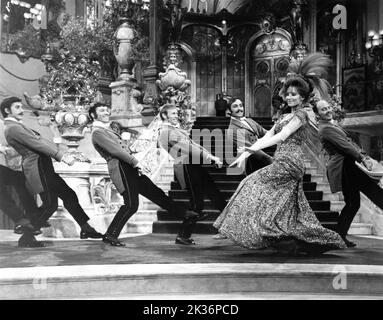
270, 139
269, 133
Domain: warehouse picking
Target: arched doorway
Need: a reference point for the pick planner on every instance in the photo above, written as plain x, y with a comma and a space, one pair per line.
267, 59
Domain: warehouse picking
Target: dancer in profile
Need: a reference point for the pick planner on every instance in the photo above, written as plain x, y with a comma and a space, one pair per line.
342, 172
243, 131
189, 156
41, 178
129, 177
269, 208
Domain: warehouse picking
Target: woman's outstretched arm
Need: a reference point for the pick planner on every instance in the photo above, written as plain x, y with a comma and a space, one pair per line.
268, 141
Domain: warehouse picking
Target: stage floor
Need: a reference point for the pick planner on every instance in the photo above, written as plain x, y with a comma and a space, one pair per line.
160, 249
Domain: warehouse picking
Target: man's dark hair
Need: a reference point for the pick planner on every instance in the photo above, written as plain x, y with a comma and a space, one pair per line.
315, 108
231, 101
92, 110
6, 104
164, 110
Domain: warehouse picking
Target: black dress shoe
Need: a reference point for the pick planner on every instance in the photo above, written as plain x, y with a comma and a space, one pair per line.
348, 243
184, 241
190, 240
112, 241
36, 232
18, 229
21, 229
90, 233
29, 241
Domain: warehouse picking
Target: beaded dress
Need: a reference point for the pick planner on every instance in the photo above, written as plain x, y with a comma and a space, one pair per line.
269, 206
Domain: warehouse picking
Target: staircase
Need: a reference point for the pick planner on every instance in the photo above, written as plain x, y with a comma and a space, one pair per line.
358, 227
325, 204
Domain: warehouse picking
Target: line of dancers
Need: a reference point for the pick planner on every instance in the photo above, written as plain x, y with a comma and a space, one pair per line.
269, 207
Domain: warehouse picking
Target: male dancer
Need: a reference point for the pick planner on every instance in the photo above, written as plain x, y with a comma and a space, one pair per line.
128, 175
243, 132
14, 180
15, 200
342, 173
192, 176
36, 152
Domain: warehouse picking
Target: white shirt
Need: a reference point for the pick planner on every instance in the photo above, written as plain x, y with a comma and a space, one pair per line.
171, 125
243, 120
13, 119
100, 124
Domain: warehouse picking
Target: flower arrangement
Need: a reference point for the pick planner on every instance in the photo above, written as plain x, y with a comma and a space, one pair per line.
71, 75
87, 51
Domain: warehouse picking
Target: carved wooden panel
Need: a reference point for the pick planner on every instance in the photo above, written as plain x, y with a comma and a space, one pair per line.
268, 66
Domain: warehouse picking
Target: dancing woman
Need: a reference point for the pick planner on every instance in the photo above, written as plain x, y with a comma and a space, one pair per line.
269, 208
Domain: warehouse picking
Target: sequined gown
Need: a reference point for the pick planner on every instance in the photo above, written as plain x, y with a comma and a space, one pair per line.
270, 205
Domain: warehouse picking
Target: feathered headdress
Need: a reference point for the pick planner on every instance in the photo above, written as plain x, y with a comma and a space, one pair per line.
313, 69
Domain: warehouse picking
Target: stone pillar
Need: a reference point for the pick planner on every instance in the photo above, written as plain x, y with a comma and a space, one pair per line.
151, 72
224, 64
70, 7
313, 26
125, 109
339, 64
151, 92
62, 223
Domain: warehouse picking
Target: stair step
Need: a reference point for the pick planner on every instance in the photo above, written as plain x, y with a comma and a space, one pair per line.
183, 194
314, 204
144, 216
139, 227
337, 205
193, 281
322, 215
203, 227
360, 228
220, 176
307, 186
331, 196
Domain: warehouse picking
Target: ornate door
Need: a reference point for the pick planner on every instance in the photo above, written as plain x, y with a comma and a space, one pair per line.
268, 59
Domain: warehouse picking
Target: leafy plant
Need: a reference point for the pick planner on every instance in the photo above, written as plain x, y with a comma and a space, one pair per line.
137, 17
27, 41
71, 75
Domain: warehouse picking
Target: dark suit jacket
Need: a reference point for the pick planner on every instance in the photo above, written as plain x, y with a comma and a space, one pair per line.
183, 149
241, 135
338, 145
31, 146
113, 149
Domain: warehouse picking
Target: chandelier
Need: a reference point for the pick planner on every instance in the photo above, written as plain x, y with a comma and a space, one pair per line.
31, 12
374, 46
